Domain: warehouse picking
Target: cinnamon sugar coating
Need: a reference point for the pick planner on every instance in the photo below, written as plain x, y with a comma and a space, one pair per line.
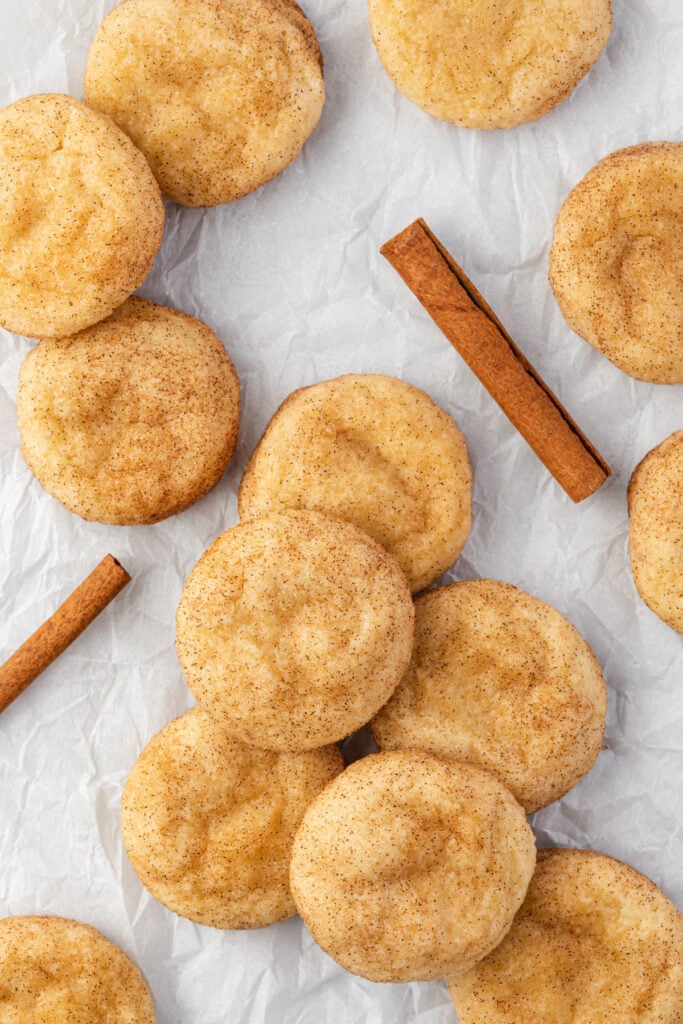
56, 971
376, 452
501, 680
616, 262
132, 420
594, 941
655, 507
409, 867
294, 629
81, 216
487, 63
220, 95
209, 822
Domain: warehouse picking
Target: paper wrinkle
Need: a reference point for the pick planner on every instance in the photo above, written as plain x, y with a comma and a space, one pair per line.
292, 281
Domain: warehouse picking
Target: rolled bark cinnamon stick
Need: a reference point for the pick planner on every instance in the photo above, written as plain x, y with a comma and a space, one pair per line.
61, 629
477, 334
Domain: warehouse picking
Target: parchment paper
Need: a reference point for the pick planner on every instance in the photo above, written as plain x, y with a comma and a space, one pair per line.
291, 280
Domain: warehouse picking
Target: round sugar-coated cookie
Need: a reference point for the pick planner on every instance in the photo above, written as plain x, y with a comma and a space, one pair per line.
616, 262
594, 941
132, 420
56, 971
376, 452
81, 216
501, 680
208, 822
655, 507
487, 64
220, 95
294, 629
409, 867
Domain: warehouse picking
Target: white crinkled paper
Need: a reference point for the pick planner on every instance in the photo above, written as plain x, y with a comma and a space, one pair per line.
290, 278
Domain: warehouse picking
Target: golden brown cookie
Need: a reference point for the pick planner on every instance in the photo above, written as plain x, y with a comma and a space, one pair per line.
294, 629
616, 263
655, 508
209, 822
132, 420
487, 64
501, 680
81, 216
409, 867
220, 95
376, 452
56, 971
595, 941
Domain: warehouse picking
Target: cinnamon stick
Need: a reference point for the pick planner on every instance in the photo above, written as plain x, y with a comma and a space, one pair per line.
61, 629
475, 331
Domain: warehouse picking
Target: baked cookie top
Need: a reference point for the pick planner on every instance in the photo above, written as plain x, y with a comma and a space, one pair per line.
294, 629
594, 941
616, 262
486, 64
501, 680
209, 822
132, 420
655, 506
220, 95
81, 216
409, 867
376, 452
56, 971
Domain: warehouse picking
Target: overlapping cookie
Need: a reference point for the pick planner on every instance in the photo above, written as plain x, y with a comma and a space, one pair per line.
376, 452
410, 867
293, 629
208, 822
594, 941
501, 680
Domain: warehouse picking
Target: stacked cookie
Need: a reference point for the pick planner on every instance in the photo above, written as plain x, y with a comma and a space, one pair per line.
295, 629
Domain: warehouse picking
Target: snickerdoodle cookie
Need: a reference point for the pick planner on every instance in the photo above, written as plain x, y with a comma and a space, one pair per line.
208, 822
56, 971
487, 64
81, 216
594, 941
501, 680
132, 420
655, 507
616, 263
220, 95
294, 629
376, 452
410, 867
